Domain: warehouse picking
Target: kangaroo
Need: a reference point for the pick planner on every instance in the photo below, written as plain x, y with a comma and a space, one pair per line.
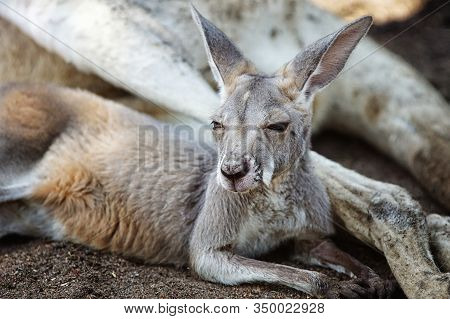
71, 170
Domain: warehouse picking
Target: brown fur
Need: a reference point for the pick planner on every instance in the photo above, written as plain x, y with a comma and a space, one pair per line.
30, 115
61, 127
374, 108
231, 79
287, 87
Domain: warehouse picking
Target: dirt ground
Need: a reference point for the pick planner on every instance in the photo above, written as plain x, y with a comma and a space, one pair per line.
32, 268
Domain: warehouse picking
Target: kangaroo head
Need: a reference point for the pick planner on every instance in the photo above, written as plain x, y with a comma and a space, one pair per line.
264, 122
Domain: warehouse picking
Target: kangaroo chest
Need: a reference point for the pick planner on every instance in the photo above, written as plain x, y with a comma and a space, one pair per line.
271, 220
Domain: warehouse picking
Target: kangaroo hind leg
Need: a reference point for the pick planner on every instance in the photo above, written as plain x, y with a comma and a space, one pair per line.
32, 118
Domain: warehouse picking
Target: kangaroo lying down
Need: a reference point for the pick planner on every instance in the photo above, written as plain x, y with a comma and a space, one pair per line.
72, 170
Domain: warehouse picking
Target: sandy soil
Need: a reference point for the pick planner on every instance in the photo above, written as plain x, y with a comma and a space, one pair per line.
32, 268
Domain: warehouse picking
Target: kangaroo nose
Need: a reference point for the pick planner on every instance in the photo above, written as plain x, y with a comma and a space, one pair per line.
235, 171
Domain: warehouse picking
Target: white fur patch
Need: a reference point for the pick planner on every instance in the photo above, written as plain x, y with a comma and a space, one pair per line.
268, 172
32, 221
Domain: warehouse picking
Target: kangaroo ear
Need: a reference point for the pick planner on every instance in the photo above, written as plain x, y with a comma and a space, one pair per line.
225, 60
320, 63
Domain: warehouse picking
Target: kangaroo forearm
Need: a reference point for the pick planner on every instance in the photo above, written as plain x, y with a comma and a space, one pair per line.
229, 269
385, 216
328, 254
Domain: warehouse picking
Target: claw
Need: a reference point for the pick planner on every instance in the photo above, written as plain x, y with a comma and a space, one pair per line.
350, 289
373, 287
382, 288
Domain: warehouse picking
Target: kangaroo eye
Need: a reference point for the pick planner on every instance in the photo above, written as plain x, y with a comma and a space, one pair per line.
216, 125
278, 127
